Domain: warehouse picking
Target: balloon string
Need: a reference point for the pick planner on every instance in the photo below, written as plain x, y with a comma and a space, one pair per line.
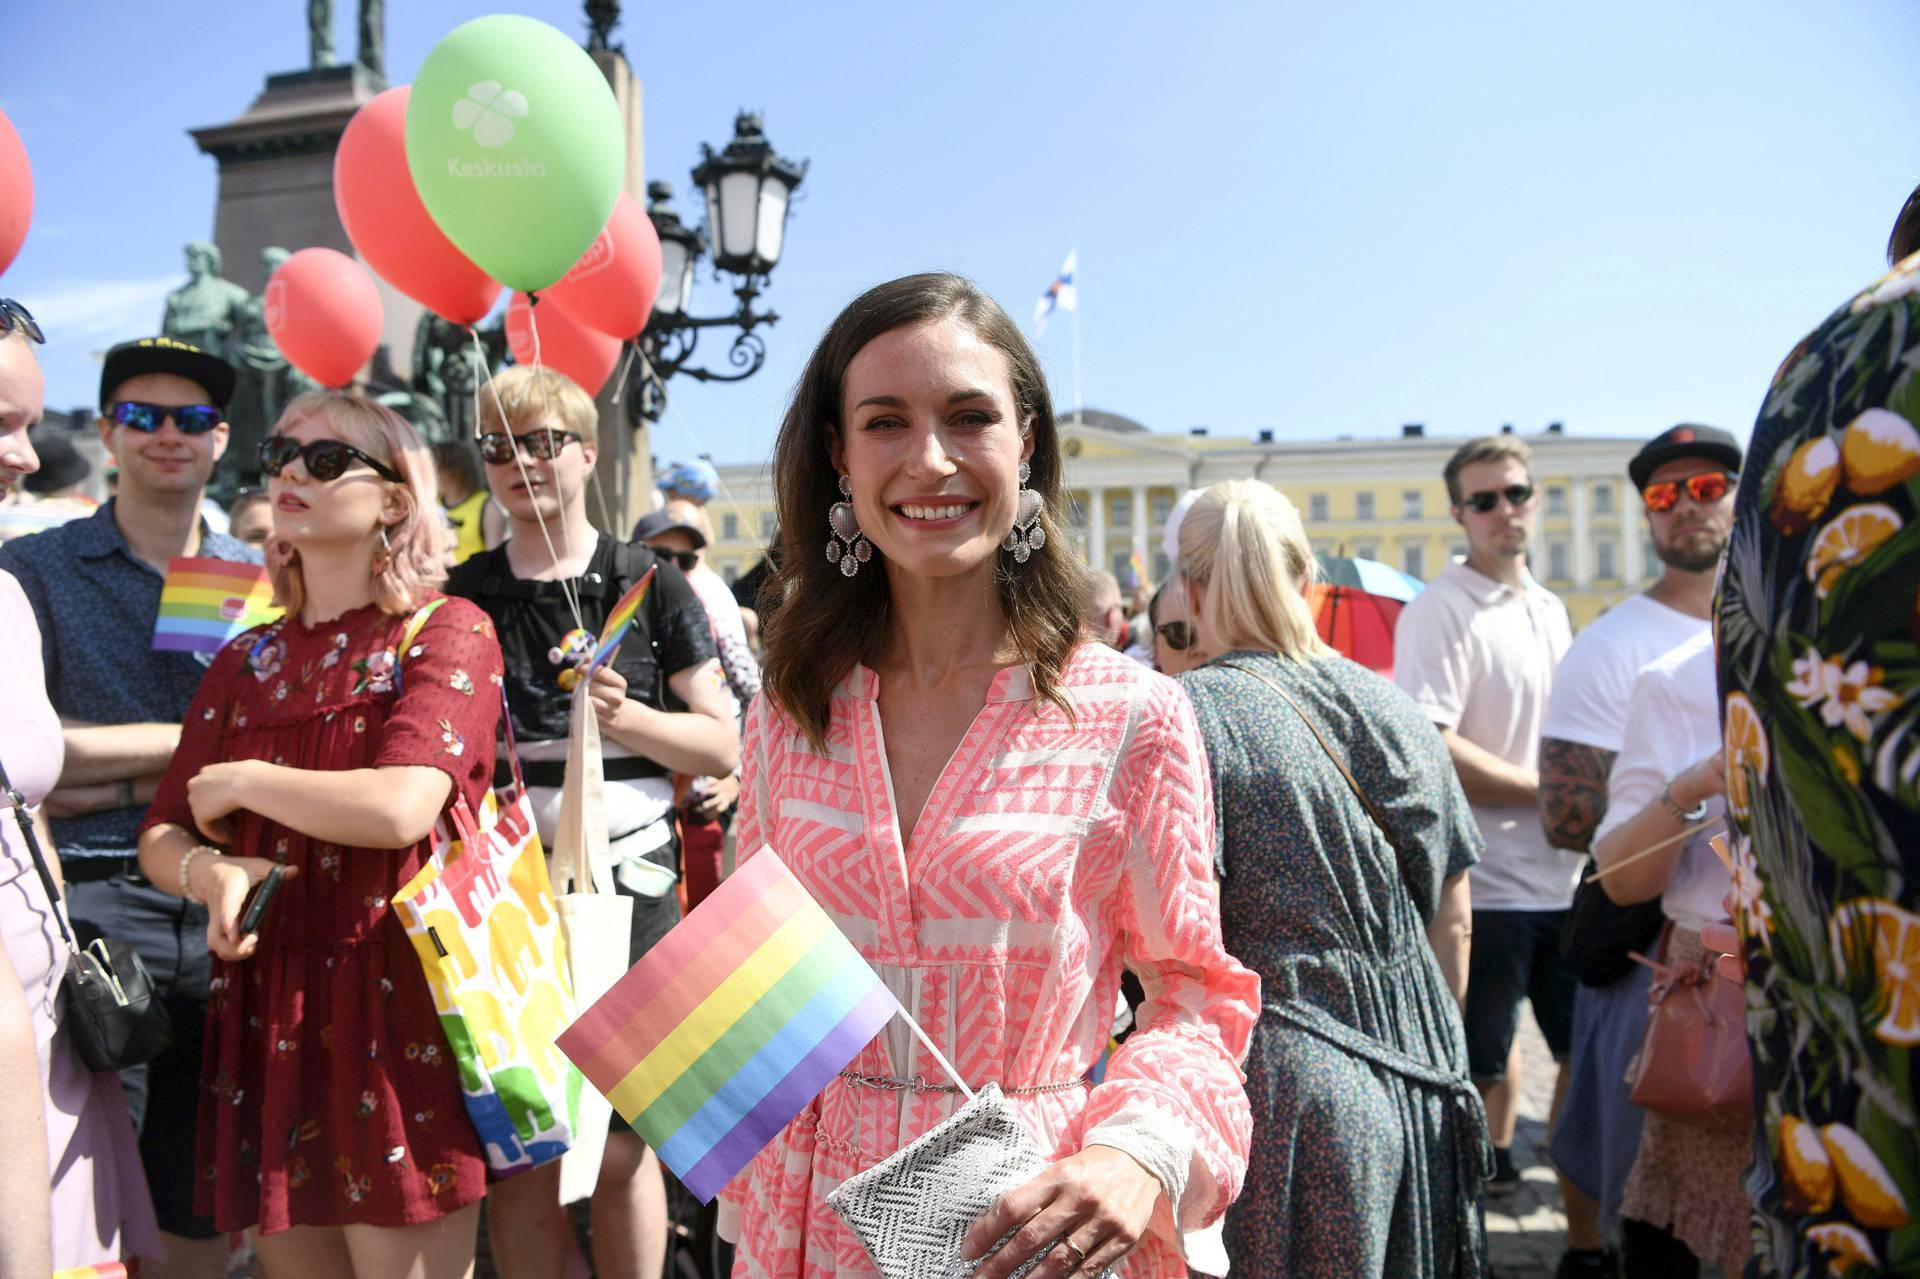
567, 591
626, 366
698, 452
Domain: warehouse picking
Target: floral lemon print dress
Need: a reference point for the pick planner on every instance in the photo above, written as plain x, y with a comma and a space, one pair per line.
331, 1098
1819, 626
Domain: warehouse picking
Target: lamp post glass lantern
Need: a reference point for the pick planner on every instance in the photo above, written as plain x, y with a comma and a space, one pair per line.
748, 190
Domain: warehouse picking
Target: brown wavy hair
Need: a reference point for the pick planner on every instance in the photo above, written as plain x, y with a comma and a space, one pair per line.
818, 624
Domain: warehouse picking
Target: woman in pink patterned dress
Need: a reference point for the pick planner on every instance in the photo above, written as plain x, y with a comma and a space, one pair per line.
330, 742
998, 815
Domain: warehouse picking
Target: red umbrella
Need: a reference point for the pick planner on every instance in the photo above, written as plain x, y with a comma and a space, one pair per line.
1356, 620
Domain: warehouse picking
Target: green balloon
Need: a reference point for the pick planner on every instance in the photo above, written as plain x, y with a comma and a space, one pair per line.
516, 147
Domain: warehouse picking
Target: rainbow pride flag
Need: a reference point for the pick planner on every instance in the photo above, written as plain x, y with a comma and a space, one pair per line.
206, 602
620, 621
731, 1025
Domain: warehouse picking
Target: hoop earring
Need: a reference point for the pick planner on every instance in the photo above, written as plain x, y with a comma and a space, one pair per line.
843, 527
1027, 534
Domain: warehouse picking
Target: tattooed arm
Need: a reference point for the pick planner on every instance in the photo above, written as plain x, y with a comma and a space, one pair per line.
1573, 791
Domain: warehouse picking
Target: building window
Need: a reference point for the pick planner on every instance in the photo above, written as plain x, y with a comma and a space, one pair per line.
1603, 559
1556, 499
1410, 507
1161, 504
1317, 507
1603, 499
1363, 506
1557, 562
1120, 510
1413, 561
1366, 550
766, 525
729, 573
729, 528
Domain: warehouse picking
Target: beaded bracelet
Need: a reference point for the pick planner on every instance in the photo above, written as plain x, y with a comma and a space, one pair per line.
186, 863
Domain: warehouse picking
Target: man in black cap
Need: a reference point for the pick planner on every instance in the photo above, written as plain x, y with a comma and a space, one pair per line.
1687, 477
95, 588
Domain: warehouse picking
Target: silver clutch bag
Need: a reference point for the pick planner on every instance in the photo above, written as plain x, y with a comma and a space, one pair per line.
912, 1209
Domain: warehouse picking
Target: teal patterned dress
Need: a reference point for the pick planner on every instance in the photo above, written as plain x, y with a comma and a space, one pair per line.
1369, 1141
1819, 619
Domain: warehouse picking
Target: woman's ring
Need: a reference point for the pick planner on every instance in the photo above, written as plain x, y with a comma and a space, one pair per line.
1078, 1251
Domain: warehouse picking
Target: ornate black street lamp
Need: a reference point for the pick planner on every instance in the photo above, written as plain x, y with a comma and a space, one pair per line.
749, 190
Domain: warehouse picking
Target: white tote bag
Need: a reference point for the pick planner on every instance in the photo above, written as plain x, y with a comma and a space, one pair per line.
597, 920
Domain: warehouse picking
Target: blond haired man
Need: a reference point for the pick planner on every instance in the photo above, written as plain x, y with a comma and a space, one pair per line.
1477, 650
662, 709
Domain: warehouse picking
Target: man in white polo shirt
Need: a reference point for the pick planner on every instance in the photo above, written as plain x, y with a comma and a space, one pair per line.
1477, 650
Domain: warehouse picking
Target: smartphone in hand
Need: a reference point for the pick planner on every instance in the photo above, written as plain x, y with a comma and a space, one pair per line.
256, 911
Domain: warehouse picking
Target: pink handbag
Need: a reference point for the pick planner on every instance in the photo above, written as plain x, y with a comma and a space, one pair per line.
1694, 1066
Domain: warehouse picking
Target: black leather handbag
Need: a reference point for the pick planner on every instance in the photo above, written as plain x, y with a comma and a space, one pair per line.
107, 1001
1600, 936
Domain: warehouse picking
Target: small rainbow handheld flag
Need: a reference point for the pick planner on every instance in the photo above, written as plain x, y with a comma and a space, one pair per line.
731, 1025
205, 602
620, 620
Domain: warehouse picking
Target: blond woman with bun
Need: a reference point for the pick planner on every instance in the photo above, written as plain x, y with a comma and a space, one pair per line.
1344, 842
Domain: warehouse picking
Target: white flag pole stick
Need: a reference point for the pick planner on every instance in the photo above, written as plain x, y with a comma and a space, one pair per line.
938, 1056
1076, 337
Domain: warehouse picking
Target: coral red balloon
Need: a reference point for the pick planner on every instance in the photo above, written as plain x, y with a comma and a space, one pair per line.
611, 287
547, 336
323, 311
16, 195
373, 190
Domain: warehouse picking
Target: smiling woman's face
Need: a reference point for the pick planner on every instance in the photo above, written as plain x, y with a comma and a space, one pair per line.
931, 441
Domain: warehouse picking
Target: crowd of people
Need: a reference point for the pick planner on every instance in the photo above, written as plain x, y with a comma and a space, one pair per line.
1241, 929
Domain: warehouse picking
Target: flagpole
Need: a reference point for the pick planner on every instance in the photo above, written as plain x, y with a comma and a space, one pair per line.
1076, 336
938, 1056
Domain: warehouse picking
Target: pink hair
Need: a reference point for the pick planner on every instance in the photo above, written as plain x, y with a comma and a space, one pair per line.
414, 562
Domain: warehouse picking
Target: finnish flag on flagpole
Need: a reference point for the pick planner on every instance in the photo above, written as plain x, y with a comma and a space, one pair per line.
1060, 295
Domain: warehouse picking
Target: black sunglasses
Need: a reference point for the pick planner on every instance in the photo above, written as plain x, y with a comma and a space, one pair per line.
14, 316
687, 560
545, 444
1517, 495
192, 419
1178, 635
325, 460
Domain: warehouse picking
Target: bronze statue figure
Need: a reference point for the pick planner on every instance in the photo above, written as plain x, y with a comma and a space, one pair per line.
206, 309
267, 380
373, 37
319, 33
602, 17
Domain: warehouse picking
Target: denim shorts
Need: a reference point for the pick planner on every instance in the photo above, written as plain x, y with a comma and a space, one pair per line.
1516, 955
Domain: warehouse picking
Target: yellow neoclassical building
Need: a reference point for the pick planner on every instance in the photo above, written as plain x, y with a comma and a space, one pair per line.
1379, 498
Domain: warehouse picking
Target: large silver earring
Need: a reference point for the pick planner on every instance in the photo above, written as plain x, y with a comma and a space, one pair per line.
1027, 534
844, 528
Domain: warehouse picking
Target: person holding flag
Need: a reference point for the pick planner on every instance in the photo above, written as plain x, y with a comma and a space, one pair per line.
998, 814
663, 708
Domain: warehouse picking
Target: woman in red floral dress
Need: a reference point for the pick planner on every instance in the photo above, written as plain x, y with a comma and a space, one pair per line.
334, 1119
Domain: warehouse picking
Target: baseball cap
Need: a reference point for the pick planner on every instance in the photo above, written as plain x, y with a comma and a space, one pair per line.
654, 523
166, 355
61, 465
1685, 440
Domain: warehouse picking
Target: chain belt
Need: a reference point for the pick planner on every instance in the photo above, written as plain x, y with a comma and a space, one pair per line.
921, 1084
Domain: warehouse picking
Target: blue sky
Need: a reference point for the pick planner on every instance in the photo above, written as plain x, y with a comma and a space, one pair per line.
1321, 219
